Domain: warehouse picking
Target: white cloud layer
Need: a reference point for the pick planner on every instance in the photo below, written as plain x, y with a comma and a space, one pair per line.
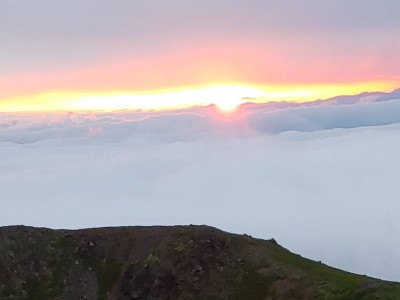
322, 180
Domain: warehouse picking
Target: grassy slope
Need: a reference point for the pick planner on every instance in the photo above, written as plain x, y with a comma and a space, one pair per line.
194, 262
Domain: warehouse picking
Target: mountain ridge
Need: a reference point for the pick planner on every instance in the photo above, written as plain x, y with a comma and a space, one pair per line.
364, 97
161, 262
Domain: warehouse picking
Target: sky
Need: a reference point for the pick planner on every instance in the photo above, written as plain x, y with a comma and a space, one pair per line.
57, 55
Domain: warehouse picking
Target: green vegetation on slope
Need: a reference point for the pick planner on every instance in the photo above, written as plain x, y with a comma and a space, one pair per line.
148, 263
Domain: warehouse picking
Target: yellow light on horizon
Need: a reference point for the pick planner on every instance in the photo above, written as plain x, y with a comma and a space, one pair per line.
225, 96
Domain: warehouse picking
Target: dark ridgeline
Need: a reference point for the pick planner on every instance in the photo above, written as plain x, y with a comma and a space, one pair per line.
182, 262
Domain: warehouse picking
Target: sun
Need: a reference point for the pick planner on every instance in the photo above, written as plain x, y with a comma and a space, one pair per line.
228, 97
228, 106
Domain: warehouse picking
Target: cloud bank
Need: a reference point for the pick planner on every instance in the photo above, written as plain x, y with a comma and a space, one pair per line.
321, 179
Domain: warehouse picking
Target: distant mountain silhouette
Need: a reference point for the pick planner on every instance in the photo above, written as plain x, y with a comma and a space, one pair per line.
365, 97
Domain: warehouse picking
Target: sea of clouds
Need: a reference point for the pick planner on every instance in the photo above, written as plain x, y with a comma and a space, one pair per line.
322, 179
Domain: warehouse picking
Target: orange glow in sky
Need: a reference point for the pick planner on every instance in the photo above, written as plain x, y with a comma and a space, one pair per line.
225, 96
179, 54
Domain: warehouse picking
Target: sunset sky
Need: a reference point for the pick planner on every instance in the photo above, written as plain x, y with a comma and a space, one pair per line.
57, 55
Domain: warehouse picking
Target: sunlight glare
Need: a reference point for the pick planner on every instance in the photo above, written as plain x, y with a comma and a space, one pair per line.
227, 97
